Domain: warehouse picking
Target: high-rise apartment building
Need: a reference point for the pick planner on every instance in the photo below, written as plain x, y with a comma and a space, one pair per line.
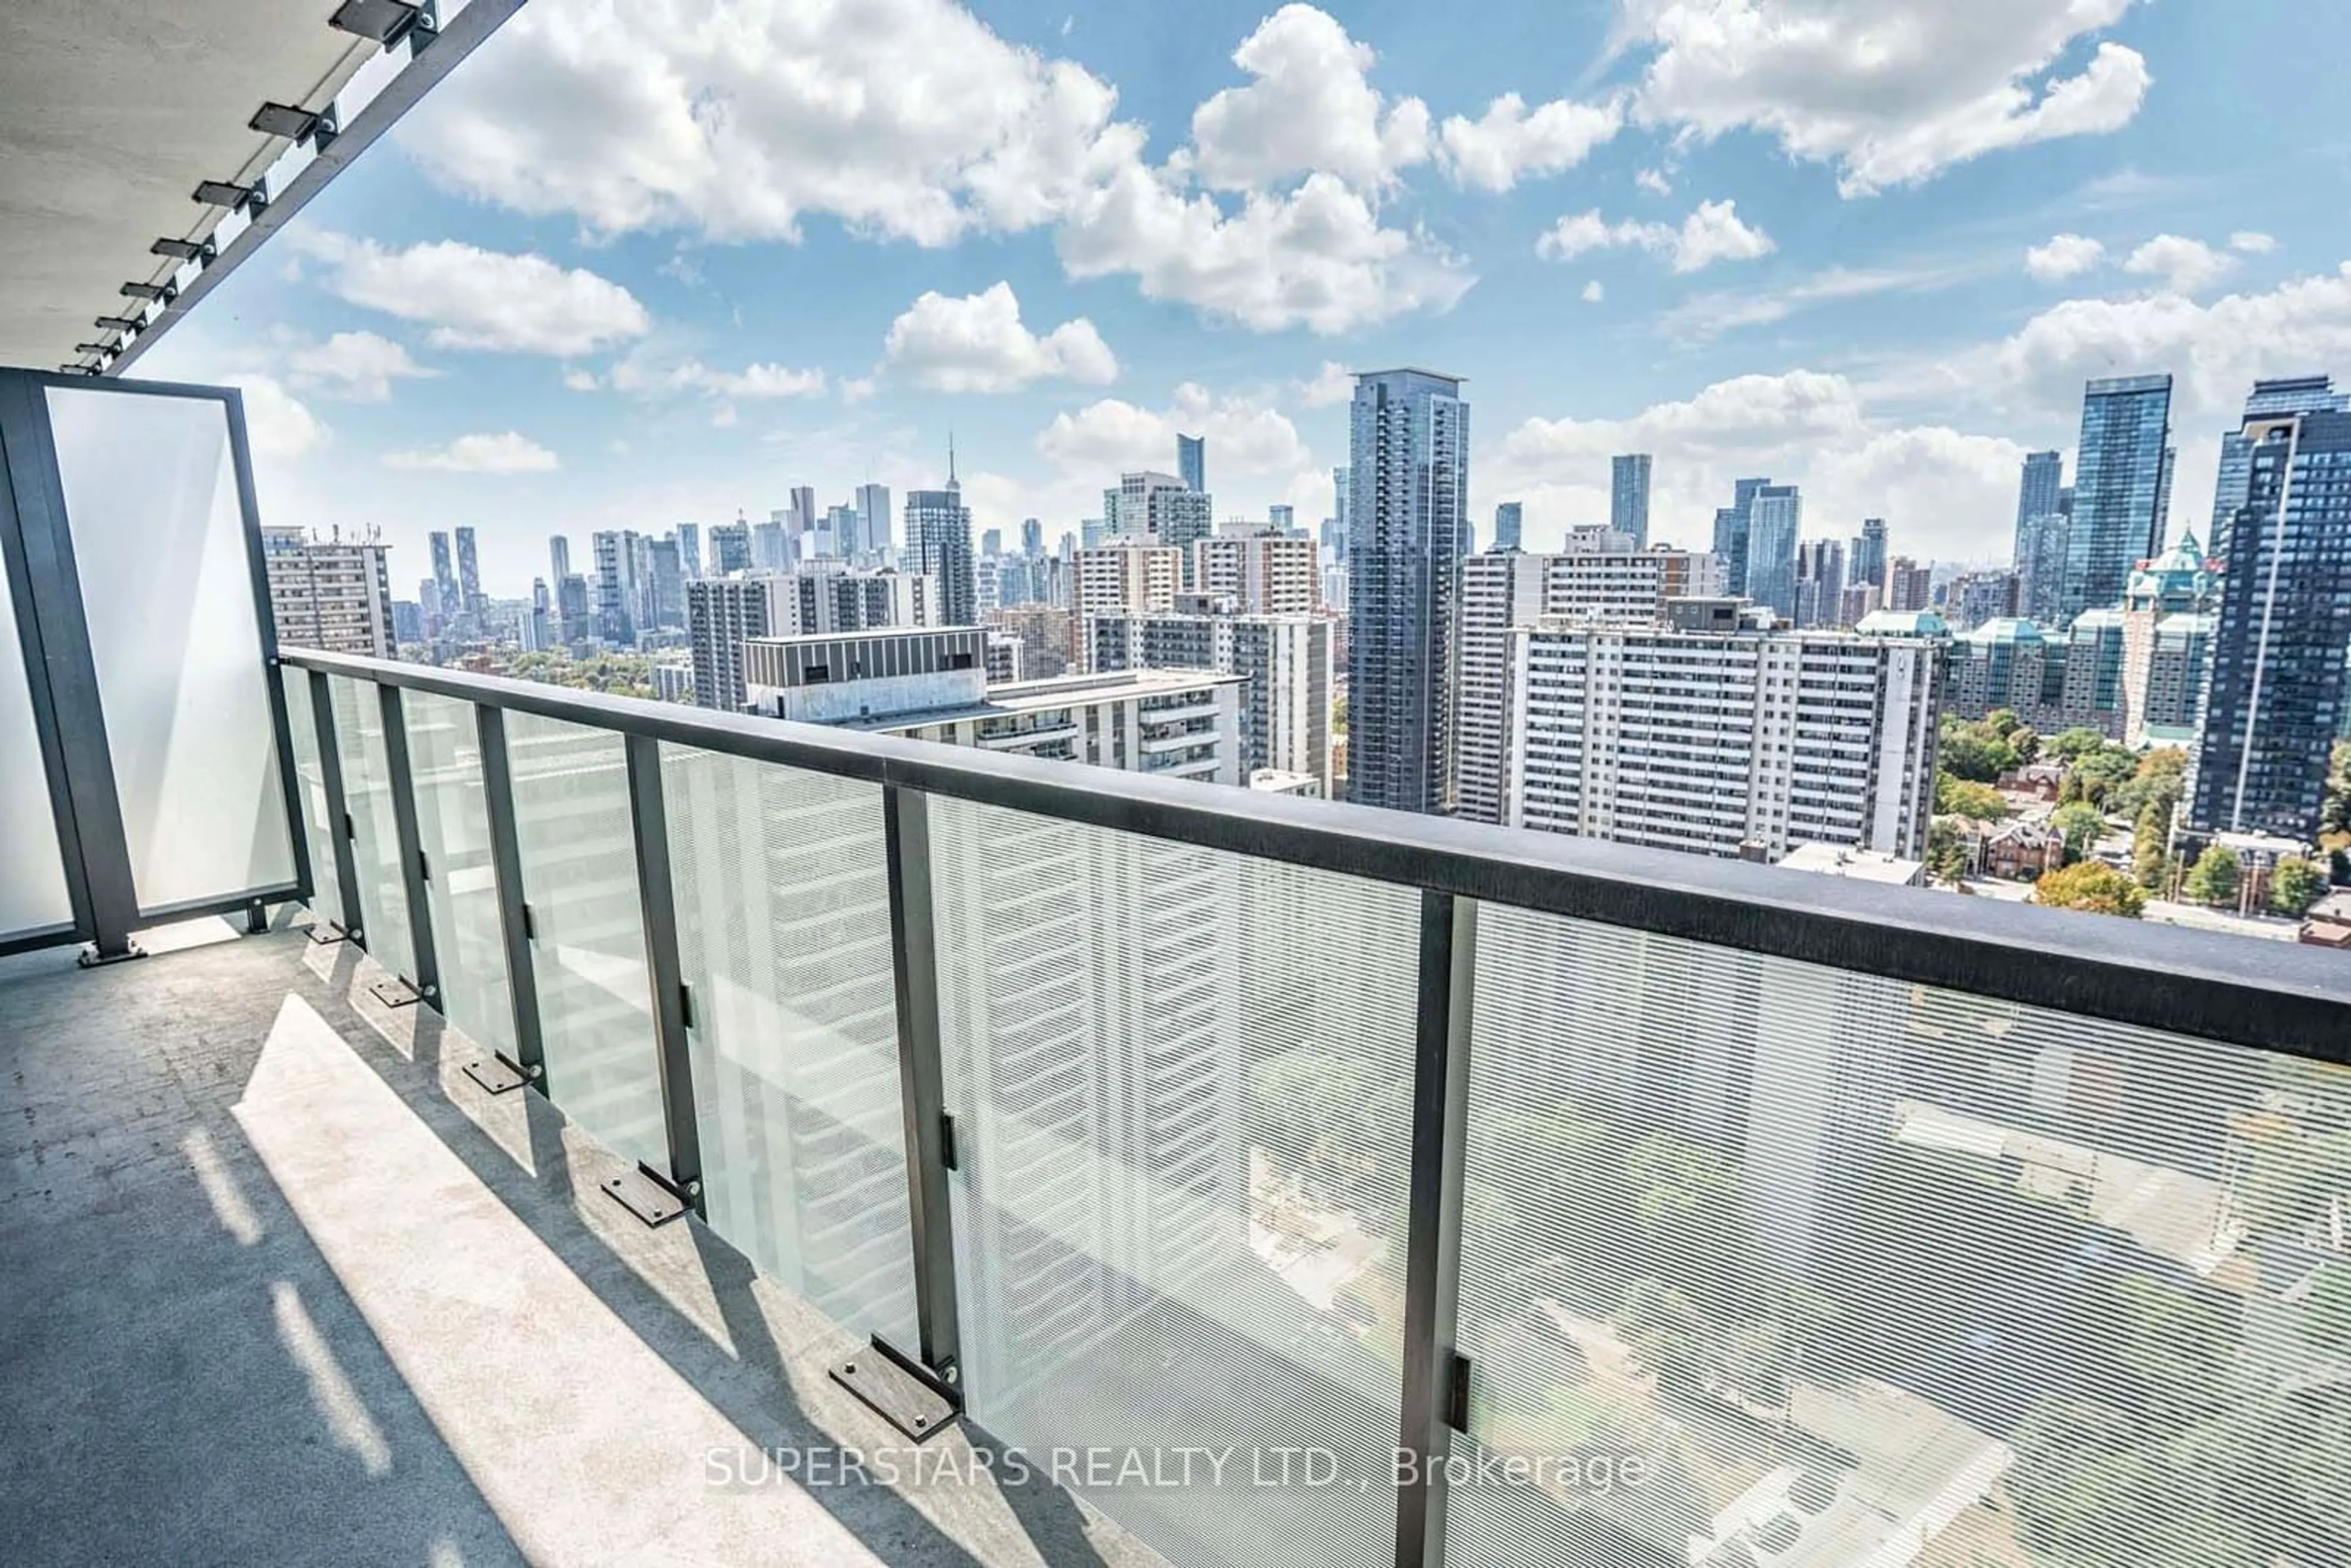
618, 591
1910, 587
1283, 520
1160, 507
803, 509
1732, 528
1820, 584
1865, 561
559, 558
1775, 519
1192, 461
2036, 492
1500, 590
1973, 598
1129, 577
331, 595
771, 543
1050, 638
1721, 743
665, 587
1284, 660
574, 612
689, 549
938, 542
1510, 526
730, 548
2288, 394
469, 573
2274, 700
721, 612
1265, 573
1628, 496
874, 530
1032, 537
2121, 484
1408, 528
447, 603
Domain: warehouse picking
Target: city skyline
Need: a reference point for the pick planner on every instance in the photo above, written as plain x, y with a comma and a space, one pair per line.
1913, 328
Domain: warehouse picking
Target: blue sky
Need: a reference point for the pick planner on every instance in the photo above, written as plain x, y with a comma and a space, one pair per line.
641, 263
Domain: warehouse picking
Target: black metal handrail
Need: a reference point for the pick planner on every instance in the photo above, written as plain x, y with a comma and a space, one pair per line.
2275, 996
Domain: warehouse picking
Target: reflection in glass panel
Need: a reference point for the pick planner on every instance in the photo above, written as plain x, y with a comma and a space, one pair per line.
587, 958
167, 588
33, 895
1768, 1263
783, 919
375, 836
318, 830
1181, 1081
452, 827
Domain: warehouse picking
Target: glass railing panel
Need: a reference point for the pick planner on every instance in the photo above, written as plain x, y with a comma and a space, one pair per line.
782, 894
1181, 1081
33, 895
453, 829
588, 952
1770, 1263
150, 487
375, 836
317, 819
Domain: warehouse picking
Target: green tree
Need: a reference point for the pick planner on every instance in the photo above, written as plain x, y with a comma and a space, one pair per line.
2025, 743
2081, 824
1966, 798
2295, 886
2001, 722
2335, 817
2066, 746
1947, 852
2149, 860
2213, 878
2097, 888
1966, 752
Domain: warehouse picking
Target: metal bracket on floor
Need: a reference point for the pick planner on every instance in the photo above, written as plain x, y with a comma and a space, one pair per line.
500, 1073
93, 956
901, 1390
394, 992
327, 933
650, 1195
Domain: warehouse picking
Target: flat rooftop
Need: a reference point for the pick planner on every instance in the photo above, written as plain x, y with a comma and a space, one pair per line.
1016, 697
286, 1286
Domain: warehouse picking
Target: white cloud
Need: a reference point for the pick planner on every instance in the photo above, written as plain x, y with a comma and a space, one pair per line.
2252, 242
276, 422
1891, 92
1937, 487
1111, 436
2065, 256
357, 366
1654, 182
1334, 383
976, 343
576, 380
477, 299
505, 452
1704, 316
1317, 257
1509, 144
2186, 266
1310, 108
904, 118
1592, 293
1713, 233
649, 372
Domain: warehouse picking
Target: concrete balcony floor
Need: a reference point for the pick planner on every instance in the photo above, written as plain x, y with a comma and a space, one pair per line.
279, 1283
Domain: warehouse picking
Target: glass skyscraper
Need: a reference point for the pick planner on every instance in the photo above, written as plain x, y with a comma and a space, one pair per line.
1628, 496
938, 541
1407, 524
2274, 699
1866, 565
1775, 515
1731, 531
1192, 461
2292, 394
2121, 477
1508, 526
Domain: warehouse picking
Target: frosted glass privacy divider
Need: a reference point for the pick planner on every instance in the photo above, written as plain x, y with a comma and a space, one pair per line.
167, 577
579, 878
461, 890
33, 894
318, 827
782, 894
375, 837
1851, 1271
1181, 1081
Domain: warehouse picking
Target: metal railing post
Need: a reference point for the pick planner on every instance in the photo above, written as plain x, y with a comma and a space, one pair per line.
414, 874
922, 1084
649, 825
513, 916
1435, 1376
339, 814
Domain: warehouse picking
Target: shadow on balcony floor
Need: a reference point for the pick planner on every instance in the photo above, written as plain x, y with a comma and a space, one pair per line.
282, 1284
